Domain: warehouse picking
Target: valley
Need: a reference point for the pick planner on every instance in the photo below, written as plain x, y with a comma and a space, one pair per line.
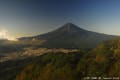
29, 52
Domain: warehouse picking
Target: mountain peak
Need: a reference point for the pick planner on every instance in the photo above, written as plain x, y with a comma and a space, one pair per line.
69, 24
70, 27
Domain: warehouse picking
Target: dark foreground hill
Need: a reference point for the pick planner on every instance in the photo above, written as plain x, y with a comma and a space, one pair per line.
70, 36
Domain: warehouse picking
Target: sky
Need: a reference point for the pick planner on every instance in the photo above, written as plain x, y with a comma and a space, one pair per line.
20, 18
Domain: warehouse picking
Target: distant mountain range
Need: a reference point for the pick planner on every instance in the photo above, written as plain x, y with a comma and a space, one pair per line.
70, 36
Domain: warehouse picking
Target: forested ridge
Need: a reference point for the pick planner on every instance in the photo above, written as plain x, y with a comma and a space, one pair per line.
102, 61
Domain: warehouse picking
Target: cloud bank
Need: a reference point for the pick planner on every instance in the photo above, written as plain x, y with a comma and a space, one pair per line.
5, 35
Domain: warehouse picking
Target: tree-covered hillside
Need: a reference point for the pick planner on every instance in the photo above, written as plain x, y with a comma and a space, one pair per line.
54, 66
102, 61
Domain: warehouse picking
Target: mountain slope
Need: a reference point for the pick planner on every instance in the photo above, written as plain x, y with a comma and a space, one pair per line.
70, 36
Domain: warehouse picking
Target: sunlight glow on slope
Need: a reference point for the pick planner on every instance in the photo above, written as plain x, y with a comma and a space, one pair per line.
4, 35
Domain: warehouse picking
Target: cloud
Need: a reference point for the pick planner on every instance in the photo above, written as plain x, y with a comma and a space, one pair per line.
4, 35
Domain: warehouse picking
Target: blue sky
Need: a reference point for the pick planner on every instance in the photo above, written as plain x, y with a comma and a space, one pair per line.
32, 17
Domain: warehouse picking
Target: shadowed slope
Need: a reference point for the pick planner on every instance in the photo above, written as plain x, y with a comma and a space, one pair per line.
70, 36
